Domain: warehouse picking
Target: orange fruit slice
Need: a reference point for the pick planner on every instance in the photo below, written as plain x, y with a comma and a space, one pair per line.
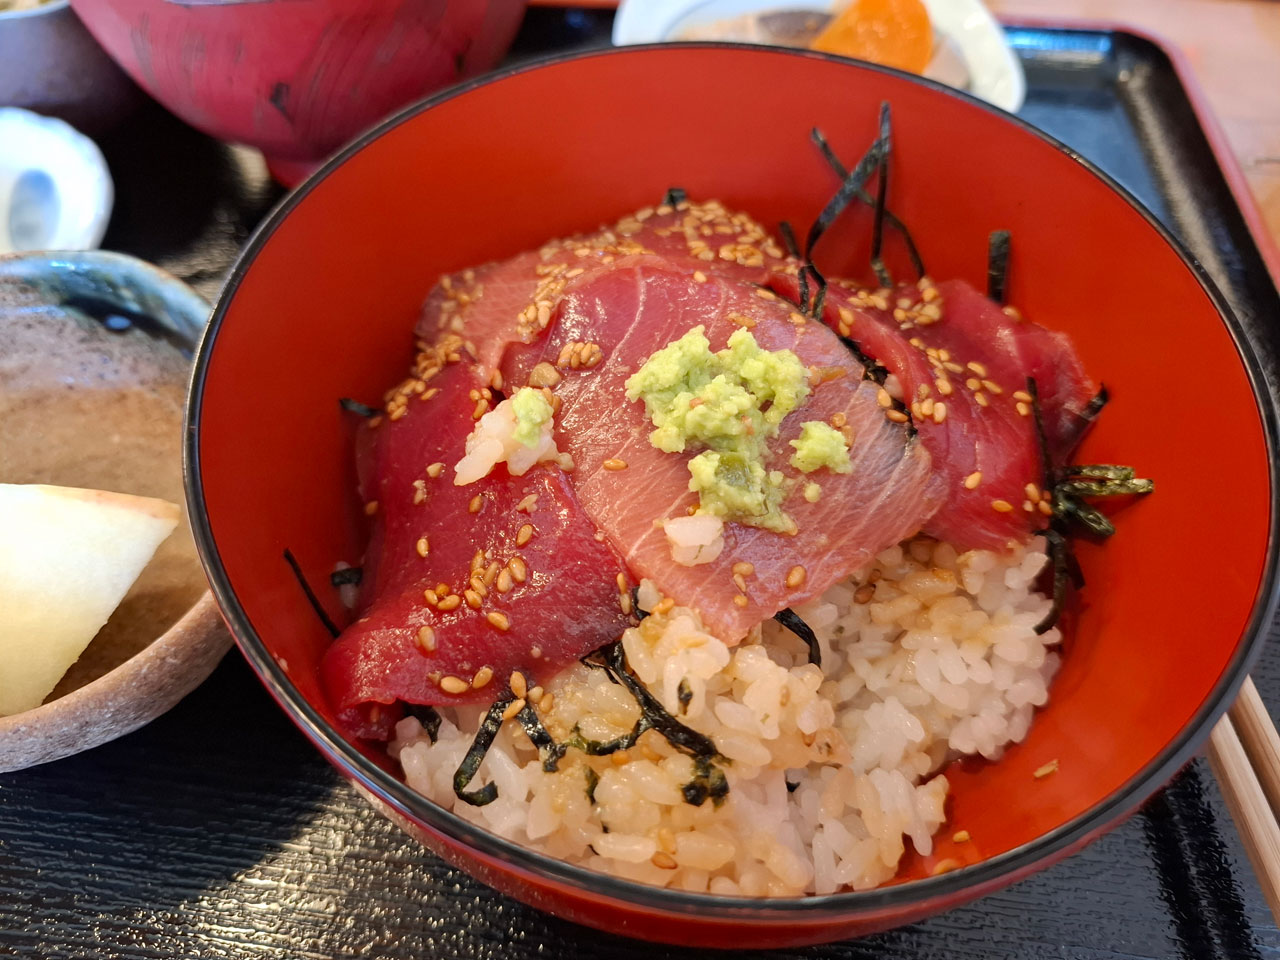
895, 33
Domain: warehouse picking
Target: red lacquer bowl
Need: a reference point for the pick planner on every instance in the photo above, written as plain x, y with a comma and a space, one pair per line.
298, 78
322, 305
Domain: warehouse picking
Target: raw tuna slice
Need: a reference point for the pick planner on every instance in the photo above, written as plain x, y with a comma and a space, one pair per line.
463, 584
961, 364
1014, 349
616, 321
513, 301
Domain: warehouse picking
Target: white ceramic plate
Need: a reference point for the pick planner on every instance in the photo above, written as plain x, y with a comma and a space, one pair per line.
55, 191
995, 73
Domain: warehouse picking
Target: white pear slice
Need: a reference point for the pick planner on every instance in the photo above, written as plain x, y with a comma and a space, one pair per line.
67, 558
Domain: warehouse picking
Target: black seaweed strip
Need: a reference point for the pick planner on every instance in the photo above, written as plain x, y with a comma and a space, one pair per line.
998, 245
1106, 488
882, 190
1089, 517
429, 717
1094, 407
635, 604
913, 252
311, 597
793, 622
593, 781
684, 694
820, 298
1100, 471
872, 370
602, 748
475, 756
844, 195
355, 406
789, 238
549, 751
1049, 474
1087, 417
676, 733
351, 575
1059, 546
1059, 551
674, 196
708, 780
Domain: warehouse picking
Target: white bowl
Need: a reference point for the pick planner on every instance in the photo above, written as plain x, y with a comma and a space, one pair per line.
995, 74
55, 191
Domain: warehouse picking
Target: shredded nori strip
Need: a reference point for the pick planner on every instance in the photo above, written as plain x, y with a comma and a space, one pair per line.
793, 622
684, 694
1042, 440
613, 660
351, 575
549, 751
1059, 551
917, 262
882, 190
635, 605
792, 787
844, 195
789, 238
674, 196
429, 717
602, 748
311, 596
1067, 485
1087, 417
355, 406
998, 265
708, 783
484, 738
593, 781
1094, 406
819, 298
709, 780
874, 370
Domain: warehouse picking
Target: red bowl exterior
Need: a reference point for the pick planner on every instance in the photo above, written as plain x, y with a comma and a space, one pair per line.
322, 304
298, 78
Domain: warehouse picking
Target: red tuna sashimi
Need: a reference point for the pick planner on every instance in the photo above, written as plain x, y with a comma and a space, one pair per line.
639, 307
949, 356
513, 301
1013, 349
543, 590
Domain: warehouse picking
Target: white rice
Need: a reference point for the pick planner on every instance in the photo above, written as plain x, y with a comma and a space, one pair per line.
926, 656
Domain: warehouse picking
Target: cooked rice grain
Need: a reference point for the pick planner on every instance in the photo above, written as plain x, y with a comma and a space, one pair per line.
833, 770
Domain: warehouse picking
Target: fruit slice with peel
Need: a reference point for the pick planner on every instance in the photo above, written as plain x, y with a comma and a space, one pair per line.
67, 558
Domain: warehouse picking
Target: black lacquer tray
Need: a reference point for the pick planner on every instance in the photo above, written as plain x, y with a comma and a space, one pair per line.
219, 832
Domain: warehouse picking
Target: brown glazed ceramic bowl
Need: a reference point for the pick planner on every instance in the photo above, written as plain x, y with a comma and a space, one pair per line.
93, 372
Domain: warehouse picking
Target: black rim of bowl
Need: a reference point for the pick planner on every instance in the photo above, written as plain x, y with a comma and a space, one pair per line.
960, 883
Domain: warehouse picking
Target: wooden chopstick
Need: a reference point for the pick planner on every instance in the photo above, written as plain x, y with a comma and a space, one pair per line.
1244, 758
1260, 740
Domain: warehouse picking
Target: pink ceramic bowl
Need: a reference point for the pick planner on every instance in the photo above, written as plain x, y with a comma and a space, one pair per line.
298, 78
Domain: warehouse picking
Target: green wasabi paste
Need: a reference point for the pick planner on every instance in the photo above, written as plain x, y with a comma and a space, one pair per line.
730, 403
